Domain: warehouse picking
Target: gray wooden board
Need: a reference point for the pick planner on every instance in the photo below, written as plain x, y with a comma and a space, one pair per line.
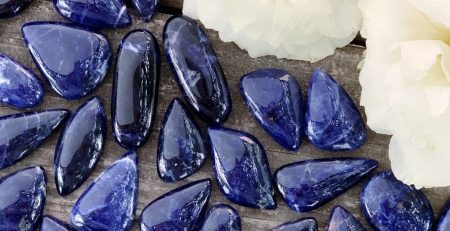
235, 62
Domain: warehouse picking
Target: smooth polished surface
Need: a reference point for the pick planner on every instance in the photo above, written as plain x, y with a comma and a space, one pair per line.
196, 69
11, 8
305, 224
306, 185
443, 223
146, 8
275, 100
79, 146
343, 220
22, 199
222, 217
53, 224
22, 133
181, 150
73, 61
135, 90
241, 168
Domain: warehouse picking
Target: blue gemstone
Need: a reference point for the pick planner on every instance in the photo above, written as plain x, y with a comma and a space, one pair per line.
390, 205
109, 203
222, 217
79, 146
146, 8
74, 61
181, 150
305, 224
306, 185
135, 88
197, 69
343, 220
180, 209
24, 132
443, 223
11, 8
275, 100
52, 224
94, 13
19, 87
333, 122
241, 168
22, 199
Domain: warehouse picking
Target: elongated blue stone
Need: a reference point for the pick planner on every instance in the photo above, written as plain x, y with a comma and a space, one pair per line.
222, 217
94, 13
343, 220
333, 122
79, 146
73, 61
275, 100
390, 205
22, 199
22, 133
443, 224
241, 168
180, 209
304, 224
135, 90
306, 185
146, 8
11, 8
196, 69
53, 224
181, 150
110, 202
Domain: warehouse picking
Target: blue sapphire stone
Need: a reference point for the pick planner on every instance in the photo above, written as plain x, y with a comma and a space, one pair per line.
305, 224
443, 224
11, 8
222, 217
342, 220
53, 224
146, 8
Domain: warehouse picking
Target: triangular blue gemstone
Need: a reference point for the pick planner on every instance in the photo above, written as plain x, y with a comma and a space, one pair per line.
304, 224
343, 220
146, 8
222, 217
53, 224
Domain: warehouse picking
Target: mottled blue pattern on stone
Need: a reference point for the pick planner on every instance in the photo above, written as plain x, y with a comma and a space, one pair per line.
443, 224
241, 168
180, 209
275, 100
11, 8
19, 87
110, 202
73, 61
306, 185
343, 220
22, 133
196, 69
79, 146
146, 8
390, 205
333, 122
53, 224
222, 217
135, 90
181, 150
305, 224
22, 199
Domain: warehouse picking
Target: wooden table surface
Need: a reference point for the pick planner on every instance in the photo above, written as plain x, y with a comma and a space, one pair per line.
235, 62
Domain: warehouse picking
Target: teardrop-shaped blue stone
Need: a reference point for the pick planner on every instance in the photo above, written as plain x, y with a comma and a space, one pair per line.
146, 8
222, 217
342, 220
135, 89
22, 199
443, 224
53, 224
181, 150
333, 122
80, 146
110, 202
275, 100
11, 8
304, 224
23, 132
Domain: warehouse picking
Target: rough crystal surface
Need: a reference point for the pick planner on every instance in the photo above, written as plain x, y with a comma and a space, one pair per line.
53, 224
305, 224
342, 220
222, 217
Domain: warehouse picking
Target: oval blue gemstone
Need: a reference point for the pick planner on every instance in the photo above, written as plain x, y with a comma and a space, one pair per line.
79, 146
109, 203
343, 220
22, 199
24, 132
11, 8
197, 70
305, 224
53, 224
306, 185
146, 8
180, 209
275, 100
333, 122
241, 168
181, 150
222, 217
390, 205
135, 88
443, 223
19, 87
74, 61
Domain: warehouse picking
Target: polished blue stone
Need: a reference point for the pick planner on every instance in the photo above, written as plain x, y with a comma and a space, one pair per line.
22, 199
222, 217
181, 150
241, 168
443, 224
110, 202
19, 87
306, 185
53, 224
275, 100
180, 209
333, 122
135, 89
343, 220
94, 13
73, 61
304, 224
80, 146
11, 8
390, 205
196, 69
23, 132
146, 8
